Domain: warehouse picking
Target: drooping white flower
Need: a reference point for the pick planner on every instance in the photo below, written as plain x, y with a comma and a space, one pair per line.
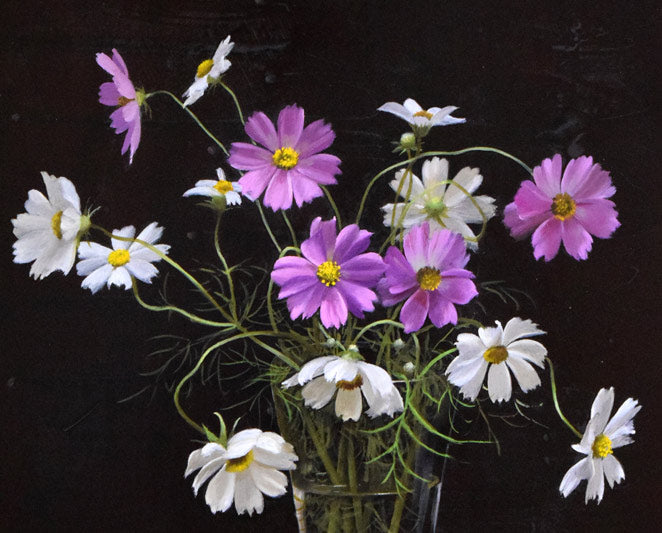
220, 188
420, 119
243, 472
324, 376
116, 266
209, 71
601, 437
503, 350
49, 232
443, 205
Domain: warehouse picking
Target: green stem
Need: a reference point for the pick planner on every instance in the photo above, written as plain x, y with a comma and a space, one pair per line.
289, 227
193, 116
556, 400
175, 309
332, 204
228, 274
236, 102
266, 225
375, 324
321, 449
353, 484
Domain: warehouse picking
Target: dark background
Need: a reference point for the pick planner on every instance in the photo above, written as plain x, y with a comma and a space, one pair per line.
531, 80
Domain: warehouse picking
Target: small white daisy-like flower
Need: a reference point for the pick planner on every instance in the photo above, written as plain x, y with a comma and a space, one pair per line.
116, 266
243, 472
347, 378
209, 71
49, 232
442, 204
420, 119
503, 350
220, 188
601, 437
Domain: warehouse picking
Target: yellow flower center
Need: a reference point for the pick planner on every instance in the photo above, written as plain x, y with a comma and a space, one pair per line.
563, 206
423, 113
123, 100
428, 278
240, 463
350, 385
328, 273
601, 446
223, 186
435, 208
285, 158
56, 224
119, 258
496, 354
204, 68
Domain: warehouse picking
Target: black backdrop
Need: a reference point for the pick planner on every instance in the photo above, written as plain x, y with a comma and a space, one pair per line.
533, 81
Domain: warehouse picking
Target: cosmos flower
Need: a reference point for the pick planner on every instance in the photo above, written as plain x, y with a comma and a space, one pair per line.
421, 120
333, 275
121, 93
569, 208
126, 259
242, 472
49, 232
220, 188
502, 350
430, 276
443, 205
290, 164
209, 71
349, 377
602, 436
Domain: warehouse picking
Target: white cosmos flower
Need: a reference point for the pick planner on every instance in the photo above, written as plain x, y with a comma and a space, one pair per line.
48, 233
442, 205
209, 71
248, 468
503, 350
116, 266
324, 376
420, 119
217, 189
601, 437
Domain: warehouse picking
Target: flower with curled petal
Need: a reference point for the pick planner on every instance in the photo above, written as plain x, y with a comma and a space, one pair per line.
243, 471
347, 377
422, 120
497, 352
209, 71
602, 436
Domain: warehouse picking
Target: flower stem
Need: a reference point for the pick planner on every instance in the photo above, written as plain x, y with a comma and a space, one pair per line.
321, 449
289, 227
193, 116
236, 102
228, 275
332, 204
556, 400
266, 225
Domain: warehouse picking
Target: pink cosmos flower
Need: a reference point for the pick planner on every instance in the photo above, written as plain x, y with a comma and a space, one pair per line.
430, 276
121, 93
333, 275
291, 163
569, 208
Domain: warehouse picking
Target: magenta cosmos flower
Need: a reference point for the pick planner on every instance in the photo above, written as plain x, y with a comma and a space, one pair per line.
290, 164
429, 275
569, 208
121, 93
333, 275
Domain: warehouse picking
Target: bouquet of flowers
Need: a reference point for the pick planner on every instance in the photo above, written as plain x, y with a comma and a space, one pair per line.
370, 343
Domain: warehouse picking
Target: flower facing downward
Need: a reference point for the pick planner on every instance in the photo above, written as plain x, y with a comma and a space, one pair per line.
333, 275
126, 259
121, 93
443, 205
209, 71
220, 188
569, 208
503, 350
49, 232
347, 378
430, 276
422, 120
290, 165
602, 436
242, 472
